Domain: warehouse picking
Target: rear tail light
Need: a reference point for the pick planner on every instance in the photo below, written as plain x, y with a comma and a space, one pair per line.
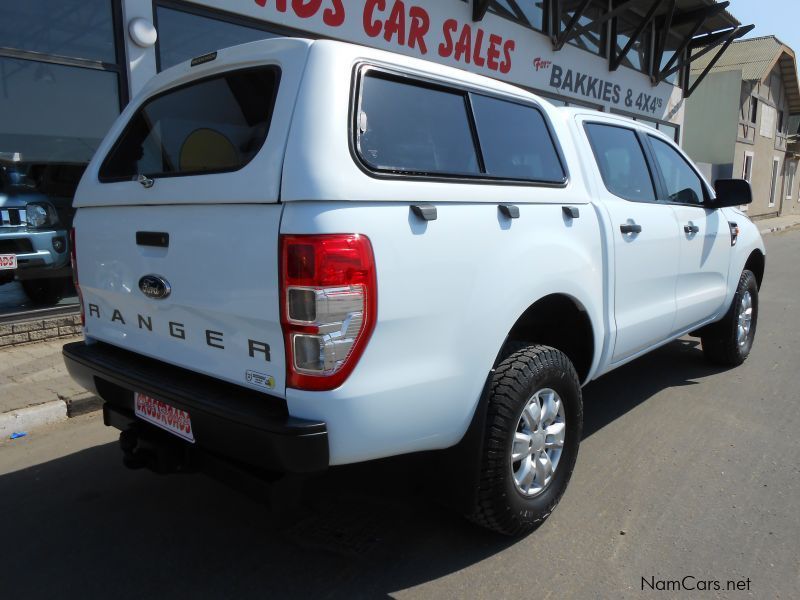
73, 259
328, 306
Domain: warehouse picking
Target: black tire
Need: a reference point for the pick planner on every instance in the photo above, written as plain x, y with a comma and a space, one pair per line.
720, 343
501, 505
45, 292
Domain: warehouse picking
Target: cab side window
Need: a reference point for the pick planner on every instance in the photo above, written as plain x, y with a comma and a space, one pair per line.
621, 160
682, 183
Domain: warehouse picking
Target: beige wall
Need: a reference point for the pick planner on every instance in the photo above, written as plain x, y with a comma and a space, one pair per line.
765, 149
709, 134
791, 205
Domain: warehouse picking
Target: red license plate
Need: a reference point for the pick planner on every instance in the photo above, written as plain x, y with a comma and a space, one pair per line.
8, 261
163, 415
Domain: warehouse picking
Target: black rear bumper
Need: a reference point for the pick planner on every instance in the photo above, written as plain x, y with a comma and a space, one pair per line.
229, 421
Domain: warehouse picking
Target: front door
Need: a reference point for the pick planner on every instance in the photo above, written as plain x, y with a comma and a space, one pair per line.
705, 240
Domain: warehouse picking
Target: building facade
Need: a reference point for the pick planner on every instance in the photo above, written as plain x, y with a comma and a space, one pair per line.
738, 123
68, 67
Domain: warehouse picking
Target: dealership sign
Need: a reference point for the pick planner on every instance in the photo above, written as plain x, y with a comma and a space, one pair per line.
443, 31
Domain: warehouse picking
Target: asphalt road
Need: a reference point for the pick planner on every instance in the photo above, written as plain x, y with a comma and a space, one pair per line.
685, 471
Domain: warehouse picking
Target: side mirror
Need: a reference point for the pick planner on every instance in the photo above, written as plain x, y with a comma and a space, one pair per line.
732, 192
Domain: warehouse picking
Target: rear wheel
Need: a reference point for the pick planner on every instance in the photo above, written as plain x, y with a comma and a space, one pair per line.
533, 429
729, 341
46, 292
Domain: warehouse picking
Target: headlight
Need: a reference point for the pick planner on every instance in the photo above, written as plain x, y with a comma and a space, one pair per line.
40, 215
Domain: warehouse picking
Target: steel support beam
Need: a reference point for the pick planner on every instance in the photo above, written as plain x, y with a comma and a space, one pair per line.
572, 30
614, 59
699, 16
479, 8
666, 24
732, 36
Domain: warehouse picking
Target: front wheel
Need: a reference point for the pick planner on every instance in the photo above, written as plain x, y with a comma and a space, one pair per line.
729, 341
533, 429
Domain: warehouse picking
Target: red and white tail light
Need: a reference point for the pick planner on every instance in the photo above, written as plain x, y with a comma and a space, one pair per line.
73, 259
328, 306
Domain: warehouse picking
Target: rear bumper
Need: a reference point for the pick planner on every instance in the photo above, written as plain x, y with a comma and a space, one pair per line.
229, 421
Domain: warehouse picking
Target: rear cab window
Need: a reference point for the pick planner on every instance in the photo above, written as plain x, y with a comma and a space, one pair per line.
621, 160
410, 127
213, 125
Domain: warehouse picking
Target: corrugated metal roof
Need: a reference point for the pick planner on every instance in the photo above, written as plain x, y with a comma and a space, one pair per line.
754, 57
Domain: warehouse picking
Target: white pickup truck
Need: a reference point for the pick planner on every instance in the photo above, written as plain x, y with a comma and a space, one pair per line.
294, 254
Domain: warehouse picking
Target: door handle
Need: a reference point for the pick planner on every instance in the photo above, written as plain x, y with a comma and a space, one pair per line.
628, 228
691, 228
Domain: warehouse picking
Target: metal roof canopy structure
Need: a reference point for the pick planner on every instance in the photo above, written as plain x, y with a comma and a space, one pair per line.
699, 26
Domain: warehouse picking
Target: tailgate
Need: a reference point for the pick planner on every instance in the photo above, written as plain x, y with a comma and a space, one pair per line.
221, 316
183, 195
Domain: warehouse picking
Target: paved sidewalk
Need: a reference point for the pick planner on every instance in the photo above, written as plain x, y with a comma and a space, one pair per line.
777, 223
35, 388
34, 374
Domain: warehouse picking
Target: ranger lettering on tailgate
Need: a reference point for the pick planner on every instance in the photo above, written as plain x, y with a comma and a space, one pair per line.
214, 339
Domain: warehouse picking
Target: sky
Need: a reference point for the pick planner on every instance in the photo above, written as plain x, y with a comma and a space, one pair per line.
771, 17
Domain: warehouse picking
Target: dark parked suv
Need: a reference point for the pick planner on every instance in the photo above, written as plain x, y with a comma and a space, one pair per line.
35, 218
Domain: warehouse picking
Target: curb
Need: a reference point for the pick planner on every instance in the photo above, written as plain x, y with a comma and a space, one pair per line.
778, 228
32, 417
82, 404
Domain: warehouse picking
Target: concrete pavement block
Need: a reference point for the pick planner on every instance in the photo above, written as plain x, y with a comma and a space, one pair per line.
83, 403
26, 326
43, 334
14, 338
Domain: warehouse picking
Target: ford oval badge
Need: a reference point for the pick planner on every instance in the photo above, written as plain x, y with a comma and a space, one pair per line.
155, 286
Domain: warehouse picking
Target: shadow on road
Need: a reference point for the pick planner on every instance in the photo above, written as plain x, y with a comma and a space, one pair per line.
83, 526
679, 363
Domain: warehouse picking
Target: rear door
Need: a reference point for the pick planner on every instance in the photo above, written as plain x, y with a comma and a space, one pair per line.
704, 234
179, 216
645, 247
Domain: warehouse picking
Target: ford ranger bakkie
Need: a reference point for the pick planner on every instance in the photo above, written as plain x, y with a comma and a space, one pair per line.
295, 254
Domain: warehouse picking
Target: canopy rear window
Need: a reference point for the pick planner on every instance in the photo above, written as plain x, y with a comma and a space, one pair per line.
212, 125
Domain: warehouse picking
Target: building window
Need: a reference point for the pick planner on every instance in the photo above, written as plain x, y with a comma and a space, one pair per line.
773, 186
753, 110
62, 85
791, 169
747, 171
779, 127
75, 28
183, 35
61, 81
